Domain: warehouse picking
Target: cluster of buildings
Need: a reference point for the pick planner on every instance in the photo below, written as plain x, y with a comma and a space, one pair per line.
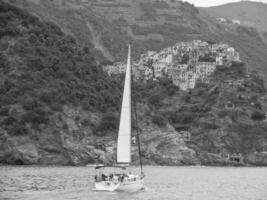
185, 63
233, 21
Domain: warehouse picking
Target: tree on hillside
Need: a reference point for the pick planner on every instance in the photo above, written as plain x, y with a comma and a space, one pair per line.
258, 115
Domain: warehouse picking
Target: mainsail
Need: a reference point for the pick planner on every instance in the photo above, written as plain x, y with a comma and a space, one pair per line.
124, 138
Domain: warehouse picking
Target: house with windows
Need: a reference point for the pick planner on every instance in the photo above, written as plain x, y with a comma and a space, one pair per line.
110, 69
220, 59
221, 19
232, 55
235, 21
204, 69
121, 67
160, 68
148, 73
116, 68
184, 79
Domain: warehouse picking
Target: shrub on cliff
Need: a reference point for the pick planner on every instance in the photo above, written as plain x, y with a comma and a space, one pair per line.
155, 99
37, 116
159, 120
109, 122
44, 69
258, 115
182, 117
17, 129
207, 58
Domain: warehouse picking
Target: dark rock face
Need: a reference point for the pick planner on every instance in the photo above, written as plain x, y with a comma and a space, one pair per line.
162, 146
18, 150
259, 159
24, 150
165, 146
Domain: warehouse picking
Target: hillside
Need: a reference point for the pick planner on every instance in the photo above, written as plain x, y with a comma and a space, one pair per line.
149, 25
251, 14
43, 70
220, 115
58, 107
248, 12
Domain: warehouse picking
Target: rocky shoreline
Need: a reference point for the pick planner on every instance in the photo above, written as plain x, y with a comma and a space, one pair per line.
25, 150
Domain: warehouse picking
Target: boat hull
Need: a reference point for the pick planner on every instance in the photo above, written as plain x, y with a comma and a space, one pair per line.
106, 186
126, 186
131, 186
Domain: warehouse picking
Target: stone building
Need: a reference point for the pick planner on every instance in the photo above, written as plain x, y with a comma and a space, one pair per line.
160, 68
235, 21
116, 68
204, 69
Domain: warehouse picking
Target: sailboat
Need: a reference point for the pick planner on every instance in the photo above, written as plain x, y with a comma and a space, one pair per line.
121, 178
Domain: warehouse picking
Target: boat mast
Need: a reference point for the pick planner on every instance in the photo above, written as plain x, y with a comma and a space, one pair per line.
136, 123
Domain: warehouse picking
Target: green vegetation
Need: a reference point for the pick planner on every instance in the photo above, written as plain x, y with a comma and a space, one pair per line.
109, 122
148, 11
159, 120
207, 58
153, 92
43, 69
169, 31
258, 115
209, 108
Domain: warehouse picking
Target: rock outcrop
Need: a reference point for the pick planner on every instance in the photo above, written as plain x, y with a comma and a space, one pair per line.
257, 158
66, 142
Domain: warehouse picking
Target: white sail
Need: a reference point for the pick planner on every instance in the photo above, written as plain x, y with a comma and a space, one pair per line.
124, 138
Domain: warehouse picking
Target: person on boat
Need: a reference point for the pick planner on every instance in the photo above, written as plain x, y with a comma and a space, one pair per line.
131, 177
111, 176
104, 177
120, 176
96, 178
115, 179
124, 177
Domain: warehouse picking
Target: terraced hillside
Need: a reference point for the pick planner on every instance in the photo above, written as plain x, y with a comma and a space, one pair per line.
149, 25
248, 12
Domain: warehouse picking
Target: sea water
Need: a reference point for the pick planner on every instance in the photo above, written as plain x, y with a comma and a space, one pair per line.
179, 183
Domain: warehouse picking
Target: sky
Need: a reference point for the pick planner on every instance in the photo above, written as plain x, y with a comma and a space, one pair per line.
207, 3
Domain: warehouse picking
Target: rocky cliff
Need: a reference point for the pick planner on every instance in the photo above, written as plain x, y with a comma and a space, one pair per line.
67, 140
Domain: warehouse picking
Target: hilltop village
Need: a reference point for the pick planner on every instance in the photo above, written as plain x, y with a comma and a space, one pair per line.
184, 63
